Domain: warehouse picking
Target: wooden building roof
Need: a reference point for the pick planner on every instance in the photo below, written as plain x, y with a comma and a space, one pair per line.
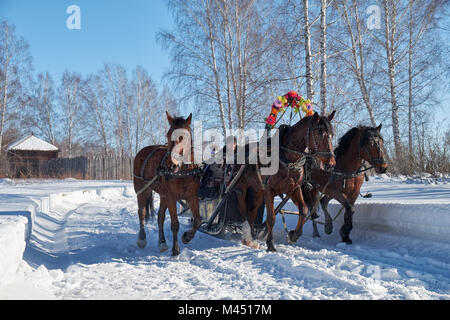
31, 143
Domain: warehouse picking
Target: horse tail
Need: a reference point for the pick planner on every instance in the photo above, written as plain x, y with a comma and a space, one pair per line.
150, 212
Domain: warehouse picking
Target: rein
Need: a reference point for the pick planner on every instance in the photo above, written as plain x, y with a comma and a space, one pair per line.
164, 171
362, 169
308, 154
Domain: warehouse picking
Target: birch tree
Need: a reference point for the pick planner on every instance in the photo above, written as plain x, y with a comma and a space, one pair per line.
143, 111
15, 70
43, 115
323, 56
221, 55
308, 63
116, 85
357, 63
69, 97
96, 112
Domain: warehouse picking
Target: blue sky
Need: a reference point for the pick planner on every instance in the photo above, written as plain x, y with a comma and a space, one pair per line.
122, 32
114, 31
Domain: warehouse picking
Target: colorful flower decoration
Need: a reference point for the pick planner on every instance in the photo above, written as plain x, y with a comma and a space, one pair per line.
290, 99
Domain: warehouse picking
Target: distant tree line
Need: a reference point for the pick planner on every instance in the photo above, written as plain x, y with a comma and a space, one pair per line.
108, 113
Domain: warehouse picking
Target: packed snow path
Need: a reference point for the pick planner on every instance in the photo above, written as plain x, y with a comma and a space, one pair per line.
88, 251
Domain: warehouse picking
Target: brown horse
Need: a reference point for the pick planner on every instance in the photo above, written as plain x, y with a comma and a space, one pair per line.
359, 144
308, 138
159, 168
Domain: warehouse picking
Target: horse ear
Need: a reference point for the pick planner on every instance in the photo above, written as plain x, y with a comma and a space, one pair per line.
169, 118
378, 128
188, 119
331, 116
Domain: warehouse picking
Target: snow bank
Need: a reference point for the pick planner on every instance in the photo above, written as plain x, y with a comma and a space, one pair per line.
12, 245
431, 221
22, 201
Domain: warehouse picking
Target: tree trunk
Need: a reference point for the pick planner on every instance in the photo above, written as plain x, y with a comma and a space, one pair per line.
228, 56
5, 91
323, 57
358, 59
308, 63
214, 67
239, 53
390, 16
410, 76
48, 109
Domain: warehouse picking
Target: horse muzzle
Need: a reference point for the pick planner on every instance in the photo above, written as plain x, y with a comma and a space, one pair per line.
382, 168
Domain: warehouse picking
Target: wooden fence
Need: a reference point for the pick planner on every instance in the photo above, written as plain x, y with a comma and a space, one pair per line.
91, 168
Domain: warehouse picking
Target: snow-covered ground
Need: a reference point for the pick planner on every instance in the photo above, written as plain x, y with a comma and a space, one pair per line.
77, 240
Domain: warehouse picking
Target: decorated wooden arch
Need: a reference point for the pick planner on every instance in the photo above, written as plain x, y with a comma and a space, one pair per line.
290, 99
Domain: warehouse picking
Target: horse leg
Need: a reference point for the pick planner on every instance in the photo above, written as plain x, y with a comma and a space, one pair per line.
270, 220
249, 224
142, 212
241, 193
189, 235
174, 225
162, 245
348, 225
257, 201
328, 227
348, 218
316, 233
314, 216
297, 198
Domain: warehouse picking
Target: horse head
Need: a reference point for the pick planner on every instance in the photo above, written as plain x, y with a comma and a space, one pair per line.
371, 143
314, 134
179, 139
321, 139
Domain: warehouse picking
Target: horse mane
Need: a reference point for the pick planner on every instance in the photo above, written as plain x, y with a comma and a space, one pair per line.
323, 120
346, 139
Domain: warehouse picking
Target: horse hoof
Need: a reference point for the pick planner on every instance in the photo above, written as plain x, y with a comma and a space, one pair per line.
175, 252
347, 240
316, 235
186, 238
255, 245
141, 243
271, 248
292, 237
250, 243
162, 246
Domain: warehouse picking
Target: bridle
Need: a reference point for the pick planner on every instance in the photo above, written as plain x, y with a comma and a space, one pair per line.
309, 153
380, 160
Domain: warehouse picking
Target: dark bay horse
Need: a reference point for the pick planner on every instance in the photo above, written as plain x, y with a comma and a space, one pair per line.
160, 169
359, 144
310, 137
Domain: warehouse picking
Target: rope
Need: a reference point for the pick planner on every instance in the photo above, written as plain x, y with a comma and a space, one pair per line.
148, 184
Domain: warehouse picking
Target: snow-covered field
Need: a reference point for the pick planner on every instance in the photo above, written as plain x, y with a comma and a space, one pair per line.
77, 240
